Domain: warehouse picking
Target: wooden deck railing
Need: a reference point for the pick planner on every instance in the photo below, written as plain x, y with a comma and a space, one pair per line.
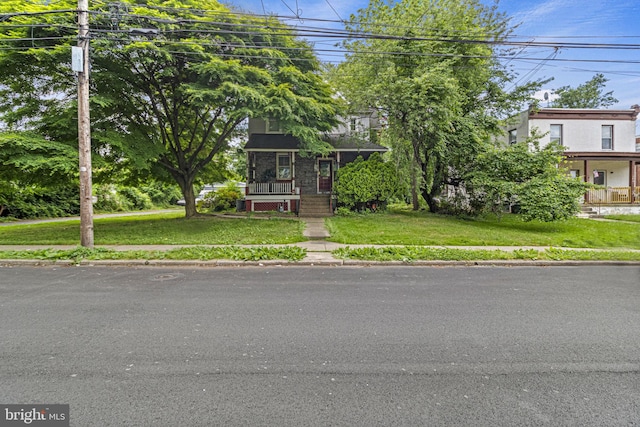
613, 195
269, 188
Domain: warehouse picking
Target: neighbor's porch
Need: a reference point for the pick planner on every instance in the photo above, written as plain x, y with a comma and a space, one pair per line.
613, 195
616, 175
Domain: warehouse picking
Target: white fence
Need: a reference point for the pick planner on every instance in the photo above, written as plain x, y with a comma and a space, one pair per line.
269, 188
612, 195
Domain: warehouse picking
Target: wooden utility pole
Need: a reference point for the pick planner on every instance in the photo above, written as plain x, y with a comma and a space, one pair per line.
84, 129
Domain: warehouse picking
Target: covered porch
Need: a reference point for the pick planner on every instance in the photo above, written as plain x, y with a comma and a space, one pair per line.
616, 174
280, 177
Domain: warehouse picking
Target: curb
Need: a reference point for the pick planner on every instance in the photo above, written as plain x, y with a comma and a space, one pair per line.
303, 263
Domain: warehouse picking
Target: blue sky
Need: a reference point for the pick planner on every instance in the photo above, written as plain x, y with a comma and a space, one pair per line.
567, 21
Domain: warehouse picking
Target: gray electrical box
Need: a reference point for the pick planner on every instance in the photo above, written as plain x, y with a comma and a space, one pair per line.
77, 63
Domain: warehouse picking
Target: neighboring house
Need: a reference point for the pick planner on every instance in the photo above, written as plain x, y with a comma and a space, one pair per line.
279, 178
600, 148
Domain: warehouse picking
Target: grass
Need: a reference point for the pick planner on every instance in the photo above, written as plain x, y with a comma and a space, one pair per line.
630, 218
418, 228
290, 253
159, 229
410, 254
411, 231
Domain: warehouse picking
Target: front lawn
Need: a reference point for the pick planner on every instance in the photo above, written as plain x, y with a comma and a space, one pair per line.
631, 217
162, 229
418, 228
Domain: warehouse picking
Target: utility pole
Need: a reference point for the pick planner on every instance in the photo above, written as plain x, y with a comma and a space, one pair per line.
84, 129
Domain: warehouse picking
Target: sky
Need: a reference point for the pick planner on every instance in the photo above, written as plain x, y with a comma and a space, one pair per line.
567, 21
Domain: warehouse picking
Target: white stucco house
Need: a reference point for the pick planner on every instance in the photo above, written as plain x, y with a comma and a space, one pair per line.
600, 147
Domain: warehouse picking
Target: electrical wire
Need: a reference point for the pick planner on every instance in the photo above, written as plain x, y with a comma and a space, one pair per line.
325, 34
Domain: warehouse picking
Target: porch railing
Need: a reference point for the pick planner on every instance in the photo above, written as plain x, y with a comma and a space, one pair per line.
613, 195
269, 188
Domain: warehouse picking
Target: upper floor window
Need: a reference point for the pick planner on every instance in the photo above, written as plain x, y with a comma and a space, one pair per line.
513, 136
555, 134
353, 125
273, 126
607, 137
284, 166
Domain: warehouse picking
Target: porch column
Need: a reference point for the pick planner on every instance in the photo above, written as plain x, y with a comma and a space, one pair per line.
633, 180
586, 179
293, 171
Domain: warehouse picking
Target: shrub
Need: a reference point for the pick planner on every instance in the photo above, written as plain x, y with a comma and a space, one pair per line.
366, 184
39, 202
109, 200
135, 198
162, 194
223, 199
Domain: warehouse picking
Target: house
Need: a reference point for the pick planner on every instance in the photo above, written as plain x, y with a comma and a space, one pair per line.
600, 148
281, 177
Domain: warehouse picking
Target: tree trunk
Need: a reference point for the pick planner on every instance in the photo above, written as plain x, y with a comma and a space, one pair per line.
190, 201
415, 193
431, 200
186, 186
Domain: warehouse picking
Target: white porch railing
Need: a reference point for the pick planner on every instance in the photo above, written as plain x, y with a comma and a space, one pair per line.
269, 188
613, 195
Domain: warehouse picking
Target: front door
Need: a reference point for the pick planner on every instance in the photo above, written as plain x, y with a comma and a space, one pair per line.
325, 175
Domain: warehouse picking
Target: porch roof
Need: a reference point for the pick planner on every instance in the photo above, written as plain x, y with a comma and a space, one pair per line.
280, 142
590, 155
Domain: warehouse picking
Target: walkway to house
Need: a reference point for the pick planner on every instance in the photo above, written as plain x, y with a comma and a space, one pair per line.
315, 229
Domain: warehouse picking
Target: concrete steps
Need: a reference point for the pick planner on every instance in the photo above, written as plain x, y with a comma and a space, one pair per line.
315, 206
588, 212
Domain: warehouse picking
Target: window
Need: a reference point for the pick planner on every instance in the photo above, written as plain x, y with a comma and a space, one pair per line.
513, 136
284, 166
555, 134
600, 177
273, 126
352, 125
607, 137
325, 168
574, 173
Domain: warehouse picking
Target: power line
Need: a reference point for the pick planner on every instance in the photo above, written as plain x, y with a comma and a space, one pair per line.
324, 32
251, 29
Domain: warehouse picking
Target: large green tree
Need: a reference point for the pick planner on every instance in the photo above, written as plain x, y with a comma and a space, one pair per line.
430, 67
587, 95
31, 167
171, 81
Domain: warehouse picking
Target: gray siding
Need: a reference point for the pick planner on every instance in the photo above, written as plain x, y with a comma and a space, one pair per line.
306, 175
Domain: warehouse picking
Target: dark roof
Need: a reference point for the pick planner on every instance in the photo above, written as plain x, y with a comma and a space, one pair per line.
261, 141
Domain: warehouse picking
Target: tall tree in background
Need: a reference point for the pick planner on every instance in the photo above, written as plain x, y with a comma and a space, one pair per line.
587, 95
171, 81
429, 67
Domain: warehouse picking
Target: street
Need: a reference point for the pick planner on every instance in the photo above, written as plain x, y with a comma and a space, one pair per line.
316, 346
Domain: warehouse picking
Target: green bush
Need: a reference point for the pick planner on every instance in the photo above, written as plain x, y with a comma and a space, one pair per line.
162, 194
39, 202
223, 199
112, 198
135, 198
367, 184
109, 200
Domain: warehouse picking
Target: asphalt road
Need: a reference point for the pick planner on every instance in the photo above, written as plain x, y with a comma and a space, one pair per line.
294, 346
